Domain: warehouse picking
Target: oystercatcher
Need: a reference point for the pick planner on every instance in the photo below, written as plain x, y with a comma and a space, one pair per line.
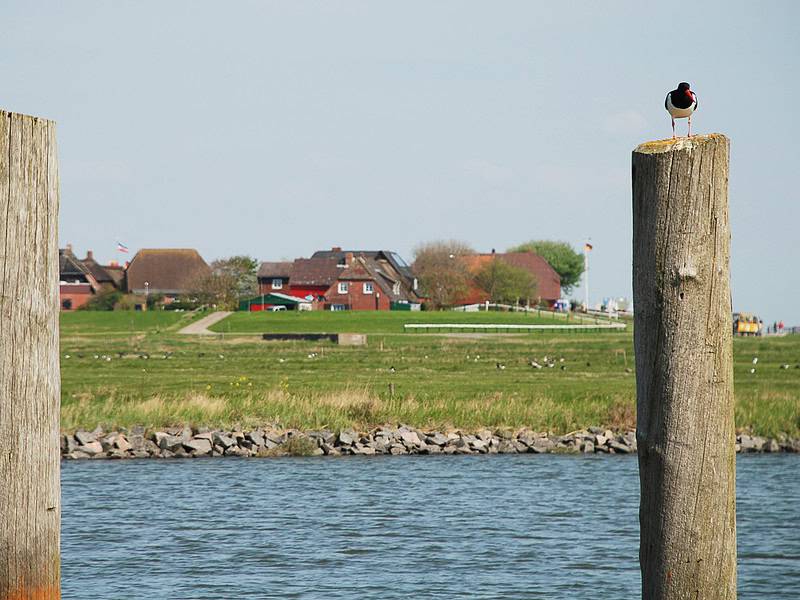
680, 104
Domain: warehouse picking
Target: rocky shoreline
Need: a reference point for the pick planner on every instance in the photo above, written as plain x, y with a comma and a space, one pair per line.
388, 440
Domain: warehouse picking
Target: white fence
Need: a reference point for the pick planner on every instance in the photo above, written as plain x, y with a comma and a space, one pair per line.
510, 328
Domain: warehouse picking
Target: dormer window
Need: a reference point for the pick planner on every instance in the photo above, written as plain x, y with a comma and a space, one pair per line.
343, 287
368, 287
277, 284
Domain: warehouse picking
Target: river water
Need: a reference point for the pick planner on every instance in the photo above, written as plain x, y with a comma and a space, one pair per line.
524, 526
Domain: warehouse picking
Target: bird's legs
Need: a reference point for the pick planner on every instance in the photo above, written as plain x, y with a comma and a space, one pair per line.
690, 126
673, 129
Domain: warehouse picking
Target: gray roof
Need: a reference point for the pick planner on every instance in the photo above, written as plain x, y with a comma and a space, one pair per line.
397, 262
70, 268
314, 271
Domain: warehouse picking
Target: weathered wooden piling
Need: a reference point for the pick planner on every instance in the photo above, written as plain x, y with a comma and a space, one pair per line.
30, 502
684, 369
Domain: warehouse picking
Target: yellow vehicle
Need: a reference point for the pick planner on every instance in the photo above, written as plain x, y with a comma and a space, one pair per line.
746, 324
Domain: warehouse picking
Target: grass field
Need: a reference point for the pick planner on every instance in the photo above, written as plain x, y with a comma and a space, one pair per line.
133, 368
85, 322
365, 322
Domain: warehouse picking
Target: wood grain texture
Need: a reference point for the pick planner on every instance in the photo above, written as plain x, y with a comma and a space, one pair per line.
30, 502
684, 369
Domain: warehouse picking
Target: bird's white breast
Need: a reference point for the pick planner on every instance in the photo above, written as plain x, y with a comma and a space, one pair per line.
679, 113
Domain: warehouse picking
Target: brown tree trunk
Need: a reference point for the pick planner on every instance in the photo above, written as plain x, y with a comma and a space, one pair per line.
30, 502
684, 369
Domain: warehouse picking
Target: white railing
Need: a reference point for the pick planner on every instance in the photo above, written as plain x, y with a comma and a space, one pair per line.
510, 327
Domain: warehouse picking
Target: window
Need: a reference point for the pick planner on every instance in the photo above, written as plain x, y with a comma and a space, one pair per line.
277, 284
367, 287
343, 287
396, 288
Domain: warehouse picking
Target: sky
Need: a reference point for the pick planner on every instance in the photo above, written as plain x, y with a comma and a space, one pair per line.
278, 128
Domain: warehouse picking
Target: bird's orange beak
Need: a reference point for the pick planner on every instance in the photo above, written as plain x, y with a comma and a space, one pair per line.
689, 95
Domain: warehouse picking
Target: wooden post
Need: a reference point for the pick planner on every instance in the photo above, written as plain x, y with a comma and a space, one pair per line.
30, 495
684, 369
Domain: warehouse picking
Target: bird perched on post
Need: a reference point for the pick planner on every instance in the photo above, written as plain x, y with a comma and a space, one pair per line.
680, 104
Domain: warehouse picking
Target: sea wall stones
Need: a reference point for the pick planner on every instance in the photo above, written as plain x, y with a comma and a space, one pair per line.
390, 440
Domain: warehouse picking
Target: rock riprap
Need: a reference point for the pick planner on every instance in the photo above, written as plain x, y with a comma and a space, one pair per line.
185, 442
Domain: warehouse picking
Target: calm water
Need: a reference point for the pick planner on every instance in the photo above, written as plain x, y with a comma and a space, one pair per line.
523, 526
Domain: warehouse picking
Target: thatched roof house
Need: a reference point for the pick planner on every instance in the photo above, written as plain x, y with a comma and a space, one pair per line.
168, 271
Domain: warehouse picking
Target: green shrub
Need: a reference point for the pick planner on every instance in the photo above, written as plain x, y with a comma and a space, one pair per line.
104, 301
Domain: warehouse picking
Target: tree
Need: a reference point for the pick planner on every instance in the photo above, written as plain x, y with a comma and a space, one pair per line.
103, 301
217, 289
443, 275
230, 280
564, 260
241, 272
506, 283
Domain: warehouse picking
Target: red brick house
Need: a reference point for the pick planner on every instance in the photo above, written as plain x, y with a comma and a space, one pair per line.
274, 277
548, 282
80, 279
343, 280
359, 286
311, 278
76, 283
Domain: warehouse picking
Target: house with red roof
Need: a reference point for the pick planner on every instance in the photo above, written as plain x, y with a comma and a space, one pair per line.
548, 282
343, 280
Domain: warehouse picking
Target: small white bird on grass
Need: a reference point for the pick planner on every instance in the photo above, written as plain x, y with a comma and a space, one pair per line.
755, 360
681, 104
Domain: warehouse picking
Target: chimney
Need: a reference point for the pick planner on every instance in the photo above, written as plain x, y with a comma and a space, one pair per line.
348, 258
89, 255
69, 247
336, 249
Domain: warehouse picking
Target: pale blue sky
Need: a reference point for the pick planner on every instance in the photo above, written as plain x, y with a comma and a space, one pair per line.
275, 129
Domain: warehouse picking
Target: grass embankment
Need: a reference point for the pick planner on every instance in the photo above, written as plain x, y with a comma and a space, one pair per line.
368, 322
93, 323
439, 381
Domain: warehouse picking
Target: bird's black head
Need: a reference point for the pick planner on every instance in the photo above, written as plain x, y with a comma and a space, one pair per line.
683, 86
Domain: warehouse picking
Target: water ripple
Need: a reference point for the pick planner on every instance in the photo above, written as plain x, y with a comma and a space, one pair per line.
471, 526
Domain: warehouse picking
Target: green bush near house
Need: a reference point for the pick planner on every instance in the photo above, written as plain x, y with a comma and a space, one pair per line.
104, 301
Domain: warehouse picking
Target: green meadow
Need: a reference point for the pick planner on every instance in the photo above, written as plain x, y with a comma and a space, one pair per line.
121, 369
384, 322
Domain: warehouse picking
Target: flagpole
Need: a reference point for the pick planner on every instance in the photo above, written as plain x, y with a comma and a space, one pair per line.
586, 276
587, 247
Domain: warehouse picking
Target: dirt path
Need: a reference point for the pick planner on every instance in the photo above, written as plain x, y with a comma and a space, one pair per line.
201, 327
